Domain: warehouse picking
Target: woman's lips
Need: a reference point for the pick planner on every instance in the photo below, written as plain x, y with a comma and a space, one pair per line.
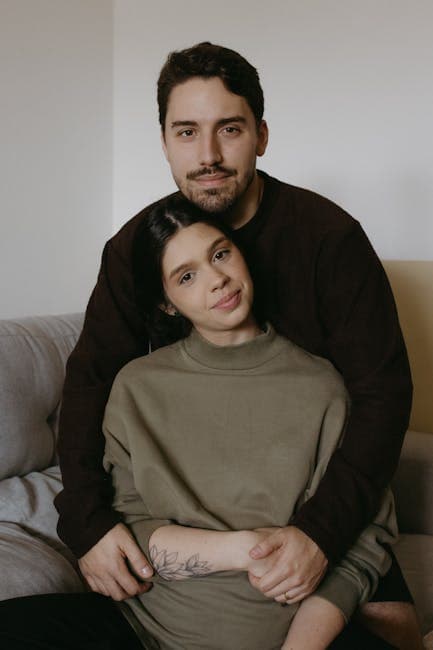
229, 302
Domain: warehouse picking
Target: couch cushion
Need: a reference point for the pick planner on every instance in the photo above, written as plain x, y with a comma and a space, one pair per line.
30, 566
28, 501
33, 353
415, 556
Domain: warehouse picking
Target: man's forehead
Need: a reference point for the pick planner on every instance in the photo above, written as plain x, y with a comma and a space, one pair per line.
199, 99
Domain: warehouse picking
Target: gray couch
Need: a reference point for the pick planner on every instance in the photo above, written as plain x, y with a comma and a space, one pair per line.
33, 352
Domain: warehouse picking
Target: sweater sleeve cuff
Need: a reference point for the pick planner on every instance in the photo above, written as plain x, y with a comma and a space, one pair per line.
142, 531
342, 592
80, 538
318, 536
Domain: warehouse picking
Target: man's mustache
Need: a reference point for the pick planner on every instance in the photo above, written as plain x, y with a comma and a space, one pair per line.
208, 171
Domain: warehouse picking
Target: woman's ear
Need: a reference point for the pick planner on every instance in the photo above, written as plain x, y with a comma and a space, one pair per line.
168, 309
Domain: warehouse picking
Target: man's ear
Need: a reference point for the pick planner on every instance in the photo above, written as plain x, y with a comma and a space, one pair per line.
262, 141
163, 144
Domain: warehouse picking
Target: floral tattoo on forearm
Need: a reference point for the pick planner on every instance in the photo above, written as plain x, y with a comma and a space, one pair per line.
167, 566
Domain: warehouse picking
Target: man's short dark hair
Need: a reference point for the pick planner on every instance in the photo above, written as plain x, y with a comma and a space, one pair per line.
207, 60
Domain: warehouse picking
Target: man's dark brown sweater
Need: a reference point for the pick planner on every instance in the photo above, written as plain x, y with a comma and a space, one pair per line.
322, 286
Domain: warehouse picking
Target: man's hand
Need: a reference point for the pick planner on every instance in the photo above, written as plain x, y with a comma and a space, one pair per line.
105, 566
297, 568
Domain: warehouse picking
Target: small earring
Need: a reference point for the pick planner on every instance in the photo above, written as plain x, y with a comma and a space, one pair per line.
172, 311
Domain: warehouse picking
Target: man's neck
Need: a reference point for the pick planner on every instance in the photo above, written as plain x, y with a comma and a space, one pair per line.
247, 206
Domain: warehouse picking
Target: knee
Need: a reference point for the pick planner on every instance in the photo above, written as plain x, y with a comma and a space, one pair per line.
395, 622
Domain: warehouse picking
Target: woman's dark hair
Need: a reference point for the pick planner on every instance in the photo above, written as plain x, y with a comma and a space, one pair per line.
163, 221
208, 60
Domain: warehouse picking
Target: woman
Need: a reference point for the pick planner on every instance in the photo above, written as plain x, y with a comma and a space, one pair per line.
212, 443
227, 430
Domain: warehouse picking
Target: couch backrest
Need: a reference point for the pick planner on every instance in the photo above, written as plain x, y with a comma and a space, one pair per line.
412, 284
33, 354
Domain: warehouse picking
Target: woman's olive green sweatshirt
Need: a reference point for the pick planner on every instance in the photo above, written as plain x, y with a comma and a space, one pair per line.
230, 438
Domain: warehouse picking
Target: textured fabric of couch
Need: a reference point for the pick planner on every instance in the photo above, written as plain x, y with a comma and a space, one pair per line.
33, 354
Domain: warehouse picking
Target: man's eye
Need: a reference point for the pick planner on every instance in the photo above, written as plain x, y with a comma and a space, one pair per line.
186, 133
230, 130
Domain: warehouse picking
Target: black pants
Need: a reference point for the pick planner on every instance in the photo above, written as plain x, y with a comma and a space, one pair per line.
89, 621
83, 621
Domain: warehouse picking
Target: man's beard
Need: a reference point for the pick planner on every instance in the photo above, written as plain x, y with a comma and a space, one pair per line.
215, 199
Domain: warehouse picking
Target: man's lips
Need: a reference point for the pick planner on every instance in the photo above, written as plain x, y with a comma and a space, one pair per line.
209, 176
212, 179
229, 301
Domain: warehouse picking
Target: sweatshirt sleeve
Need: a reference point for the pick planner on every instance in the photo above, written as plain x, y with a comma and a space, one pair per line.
117, 462
364, 342
112, 335
354, 579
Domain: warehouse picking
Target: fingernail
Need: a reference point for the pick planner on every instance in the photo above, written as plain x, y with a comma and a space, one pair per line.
146, 572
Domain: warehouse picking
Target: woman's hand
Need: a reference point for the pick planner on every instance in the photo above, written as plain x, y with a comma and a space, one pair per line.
296, 565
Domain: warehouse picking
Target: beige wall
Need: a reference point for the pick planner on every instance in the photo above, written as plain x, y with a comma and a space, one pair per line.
56, 152
412, 283
348, 98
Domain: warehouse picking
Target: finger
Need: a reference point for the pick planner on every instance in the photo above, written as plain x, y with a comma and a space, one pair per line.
143, 587
278, 574
113, 589
284, 587
137, 560
291, 600
290, 587
265, 548
125, 580
92, 584
100, 587
291, 595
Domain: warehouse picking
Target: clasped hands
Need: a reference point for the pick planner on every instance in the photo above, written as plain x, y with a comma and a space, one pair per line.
283, 563
287, 565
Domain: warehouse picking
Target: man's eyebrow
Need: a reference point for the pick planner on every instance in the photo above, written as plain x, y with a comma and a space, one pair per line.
230, 120
187, 265
177, 123
239, 119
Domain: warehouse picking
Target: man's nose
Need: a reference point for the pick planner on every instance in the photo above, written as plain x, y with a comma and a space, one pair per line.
210, 152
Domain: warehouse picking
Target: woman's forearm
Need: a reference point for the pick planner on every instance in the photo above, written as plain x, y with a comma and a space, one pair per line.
315, 625
180, 552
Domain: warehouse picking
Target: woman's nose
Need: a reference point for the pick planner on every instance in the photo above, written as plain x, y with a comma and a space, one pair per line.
218, 279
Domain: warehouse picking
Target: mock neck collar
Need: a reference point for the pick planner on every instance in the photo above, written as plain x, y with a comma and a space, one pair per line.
242, 356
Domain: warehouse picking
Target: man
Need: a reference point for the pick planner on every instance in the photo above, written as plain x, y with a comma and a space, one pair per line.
321, 285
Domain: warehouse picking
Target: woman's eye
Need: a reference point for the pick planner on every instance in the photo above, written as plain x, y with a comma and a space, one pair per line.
220, 255
186, 277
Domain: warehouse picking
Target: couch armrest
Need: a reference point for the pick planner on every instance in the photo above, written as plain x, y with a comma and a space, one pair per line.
413, 484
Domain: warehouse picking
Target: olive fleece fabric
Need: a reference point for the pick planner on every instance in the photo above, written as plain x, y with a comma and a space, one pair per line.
230, 438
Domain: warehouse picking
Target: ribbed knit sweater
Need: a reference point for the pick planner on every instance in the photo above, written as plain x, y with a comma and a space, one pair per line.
230, 438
